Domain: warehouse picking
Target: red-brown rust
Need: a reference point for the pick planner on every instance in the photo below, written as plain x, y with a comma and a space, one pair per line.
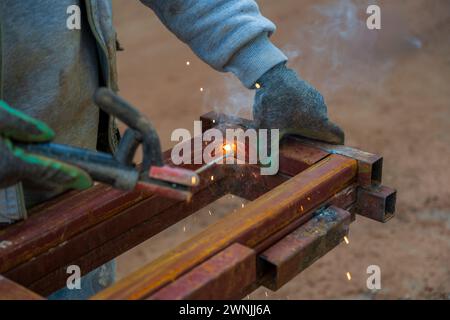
59, 244
116, 221
12, 291
298, 250
62, 218
180, 289
293, 156
343, 199
376, 202
106, 240
249, 226
222, 277
369, 165
62, 221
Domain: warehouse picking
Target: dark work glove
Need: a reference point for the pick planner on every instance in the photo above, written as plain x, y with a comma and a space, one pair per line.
16, 165
284, 101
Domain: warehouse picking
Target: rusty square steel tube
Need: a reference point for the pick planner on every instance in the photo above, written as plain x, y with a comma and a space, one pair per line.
222, 277
249, 226
370, 166
329, 184
10, 290
298, 250
376, 202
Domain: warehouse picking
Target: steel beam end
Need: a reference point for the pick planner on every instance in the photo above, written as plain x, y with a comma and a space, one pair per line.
301, 248
376, 202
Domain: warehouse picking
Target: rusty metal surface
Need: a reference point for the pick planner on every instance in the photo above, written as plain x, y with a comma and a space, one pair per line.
108, 239
376, 202
196, 286
249, 226
58, 223
99, 241
12, 291
293, 156
94, 226
343, 199
370, 165
225, 276
232, 277
294, 253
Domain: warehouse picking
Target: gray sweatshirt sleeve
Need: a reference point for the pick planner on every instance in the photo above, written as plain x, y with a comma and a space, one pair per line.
229, 35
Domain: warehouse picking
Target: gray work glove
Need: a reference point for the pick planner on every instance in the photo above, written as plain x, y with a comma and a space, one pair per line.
286, 102
16, 165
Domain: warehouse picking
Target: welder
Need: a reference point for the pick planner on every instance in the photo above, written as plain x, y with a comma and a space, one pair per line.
49, 73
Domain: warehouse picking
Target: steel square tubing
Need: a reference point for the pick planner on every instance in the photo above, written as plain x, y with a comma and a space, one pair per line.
61, 219
12, 291
295, 252
63, 232
370, 166
102, 242
230, 274
222, 277
376, 202
249, 226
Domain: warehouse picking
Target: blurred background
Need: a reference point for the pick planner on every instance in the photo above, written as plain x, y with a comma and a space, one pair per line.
390, 91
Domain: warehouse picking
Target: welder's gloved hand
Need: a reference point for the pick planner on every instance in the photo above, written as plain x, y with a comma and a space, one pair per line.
16, 165
286, 102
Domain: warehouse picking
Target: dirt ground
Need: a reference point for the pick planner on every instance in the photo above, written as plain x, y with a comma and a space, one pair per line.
389, 90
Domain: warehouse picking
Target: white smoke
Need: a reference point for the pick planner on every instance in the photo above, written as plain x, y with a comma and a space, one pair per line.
338, 43
333, 49
238, 100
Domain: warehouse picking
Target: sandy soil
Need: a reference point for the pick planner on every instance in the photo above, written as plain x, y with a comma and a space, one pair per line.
389, 90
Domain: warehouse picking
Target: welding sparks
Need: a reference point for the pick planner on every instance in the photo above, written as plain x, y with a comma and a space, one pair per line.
346, 240
349, 276
188, 63
227, 148
212, 178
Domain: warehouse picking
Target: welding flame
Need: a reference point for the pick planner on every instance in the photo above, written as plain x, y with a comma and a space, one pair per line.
228, 147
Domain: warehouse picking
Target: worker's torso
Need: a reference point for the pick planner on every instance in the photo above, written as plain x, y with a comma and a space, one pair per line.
51, 71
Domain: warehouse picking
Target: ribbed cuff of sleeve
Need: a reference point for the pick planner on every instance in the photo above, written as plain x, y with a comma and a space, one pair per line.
255, 59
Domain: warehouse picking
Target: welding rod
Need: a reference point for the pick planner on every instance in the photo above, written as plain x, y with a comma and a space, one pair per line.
210, 164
